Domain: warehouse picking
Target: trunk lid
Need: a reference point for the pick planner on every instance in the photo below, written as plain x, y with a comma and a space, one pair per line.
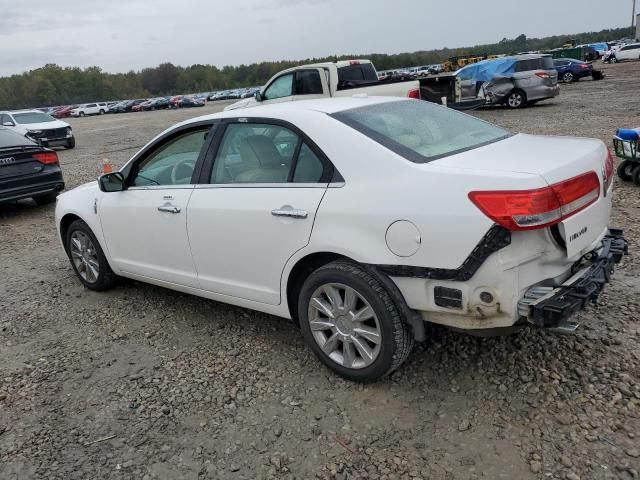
554, 159
19, 162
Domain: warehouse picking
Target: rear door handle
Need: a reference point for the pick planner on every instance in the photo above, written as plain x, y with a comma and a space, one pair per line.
289, 212
169, 209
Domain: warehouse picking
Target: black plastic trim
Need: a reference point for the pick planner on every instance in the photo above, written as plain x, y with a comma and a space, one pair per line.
550, 313
495, 239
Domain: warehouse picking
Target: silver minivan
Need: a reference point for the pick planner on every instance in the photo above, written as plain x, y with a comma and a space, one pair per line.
515, 81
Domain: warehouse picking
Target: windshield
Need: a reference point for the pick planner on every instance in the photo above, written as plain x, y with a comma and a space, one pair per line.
32, 117
421, 131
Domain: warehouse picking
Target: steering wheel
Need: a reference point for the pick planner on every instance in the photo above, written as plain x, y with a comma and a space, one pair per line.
187, 162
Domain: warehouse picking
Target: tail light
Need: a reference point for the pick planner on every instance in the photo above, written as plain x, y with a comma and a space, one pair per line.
414, 93
585, 66
608, 171
46, 158
543, 75
539, 208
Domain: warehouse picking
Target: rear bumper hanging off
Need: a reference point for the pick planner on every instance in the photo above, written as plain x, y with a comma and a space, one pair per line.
554, 308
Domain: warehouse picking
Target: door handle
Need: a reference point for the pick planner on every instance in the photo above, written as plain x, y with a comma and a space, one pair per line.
289, 212
169, 209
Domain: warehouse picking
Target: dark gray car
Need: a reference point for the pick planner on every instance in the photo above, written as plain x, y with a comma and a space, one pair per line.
515, 81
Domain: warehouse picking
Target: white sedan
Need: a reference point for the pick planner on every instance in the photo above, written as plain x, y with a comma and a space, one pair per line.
358, 218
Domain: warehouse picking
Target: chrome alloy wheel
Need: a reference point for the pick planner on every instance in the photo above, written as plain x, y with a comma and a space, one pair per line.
84, 256
344, 325
515, 100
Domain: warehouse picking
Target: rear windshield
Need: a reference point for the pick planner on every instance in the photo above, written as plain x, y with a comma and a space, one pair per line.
33, 117
542, 63
421, 131
10, 139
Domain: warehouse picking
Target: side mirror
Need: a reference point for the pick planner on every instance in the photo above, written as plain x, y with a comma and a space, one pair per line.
8, 124
111, 182
259, 96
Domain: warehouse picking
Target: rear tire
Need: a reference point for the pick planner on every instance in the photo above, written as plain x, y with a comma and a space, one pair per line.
625, 170
45, 198
101, 112
568, 77
87, 258
360, 350
635, 176
516, 99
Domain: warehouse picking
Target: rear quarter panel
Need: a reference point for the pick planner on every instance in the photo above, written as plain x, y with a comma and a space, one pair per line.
381, 187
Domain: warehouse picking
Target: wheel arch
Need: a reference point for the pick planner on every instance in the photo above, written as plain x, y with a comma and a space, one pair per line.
65, 223
309, 263
300, 271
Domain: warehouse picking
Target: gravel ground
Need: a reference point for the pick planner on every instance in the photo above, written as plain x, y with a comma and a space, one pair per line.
143, 382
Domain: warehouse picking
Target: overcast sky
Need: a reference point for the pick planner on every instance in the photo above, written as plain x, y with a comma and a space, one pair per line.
120, 35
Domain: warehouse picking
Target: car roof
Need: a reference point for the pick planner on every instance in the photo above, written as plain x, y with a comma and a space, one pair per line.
21, 111
280, 110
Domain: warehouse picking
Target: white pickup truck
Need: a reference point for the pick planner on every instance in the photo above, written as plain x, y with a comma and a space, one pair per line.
334, 79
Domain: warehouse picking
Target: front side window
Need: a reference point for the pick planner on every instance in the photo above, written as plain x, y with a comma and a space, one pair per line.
32, 117
280, 87
264, 153
308, 82
173, 162
420, 131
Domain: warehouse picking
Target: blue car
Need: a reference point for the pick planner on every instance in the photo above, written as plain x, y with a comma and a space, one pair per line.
572, 70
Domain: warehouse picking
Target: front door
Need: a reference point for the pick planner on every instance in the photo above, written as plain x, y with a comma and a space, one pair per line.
257, 210
145, 226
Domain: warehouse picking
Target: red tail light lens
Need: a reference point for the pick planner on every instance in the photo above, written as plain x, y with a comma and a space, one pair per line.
585, 66
543, 74
534, 209
46, 158
414, 93
608, 170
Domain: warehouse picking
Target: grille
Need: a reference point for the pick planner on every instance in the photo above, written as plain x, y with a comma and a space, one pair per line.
54, 133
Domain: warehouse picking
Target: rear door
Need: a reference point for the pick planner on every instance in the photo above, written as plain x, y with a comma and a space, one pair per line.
263, 188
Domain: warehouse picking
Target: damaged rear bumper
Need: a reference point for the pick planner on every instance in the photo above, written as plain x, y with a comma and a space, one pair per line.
551, 308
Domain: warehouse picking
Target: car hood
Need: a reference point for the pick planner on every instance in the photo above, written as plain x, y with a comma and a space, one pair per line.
244, 103
44, 125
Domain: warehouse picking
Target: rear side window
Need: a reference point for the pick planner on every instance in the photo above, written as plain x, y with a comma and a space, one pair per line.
421, 131
308, 82
264, 153
351, 75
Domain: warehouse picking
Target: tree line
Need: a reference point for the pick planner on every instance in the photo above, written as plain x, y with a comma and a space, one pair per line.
55, 85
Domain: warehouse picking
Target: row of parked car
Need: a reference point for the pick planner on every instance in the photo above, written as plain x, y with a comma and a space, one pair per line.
146, 104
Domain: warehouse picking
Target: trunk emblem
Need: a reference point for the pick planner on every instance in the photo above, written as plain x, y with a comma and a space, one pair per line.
7, 160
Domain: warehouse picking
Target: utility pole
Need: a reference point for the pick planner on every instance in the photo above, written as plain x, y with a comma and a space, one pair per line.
633, 20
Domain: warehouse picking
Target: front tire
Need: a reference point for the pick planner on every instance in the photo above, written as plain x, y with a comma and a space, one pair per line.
71, 143
101, 112
81, 114
87, 258
352, 323
614, 59
516, 99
